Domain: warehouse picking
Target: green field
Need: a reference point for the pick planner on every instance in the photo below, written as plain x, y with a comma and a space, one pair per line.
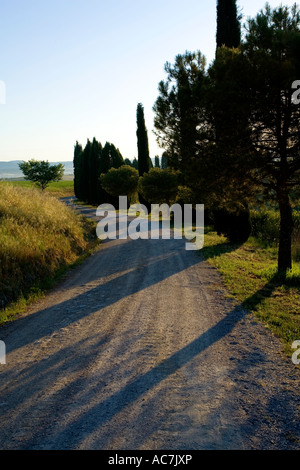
59, 189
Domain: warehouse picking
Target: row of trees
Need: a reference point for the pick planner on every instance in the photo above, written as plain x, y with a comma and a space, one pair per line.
232, 129
93, 162
89, 163
230, 132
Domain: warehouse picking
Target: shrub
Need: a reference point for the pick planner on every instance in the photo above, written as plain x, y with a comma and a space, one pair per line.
234, 225
159, 186
121, 181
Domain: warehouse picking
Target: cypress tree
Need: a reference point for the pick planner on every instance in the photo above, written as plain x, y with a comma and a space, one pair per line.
142, 141
228, 24
94, 172
110, 158
135, 163
77, 164
84, 180
116, 157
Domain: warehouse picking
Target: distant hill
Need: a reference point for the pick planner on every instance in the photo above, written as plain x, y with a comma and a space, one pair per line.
11, 169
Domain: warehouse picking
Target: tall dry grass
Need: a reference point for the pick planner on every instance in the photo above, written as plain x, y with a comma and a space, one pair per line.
38, 236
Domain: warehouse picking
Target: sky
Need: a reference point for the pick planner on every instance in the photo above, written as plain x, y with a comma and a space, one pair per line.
72, 70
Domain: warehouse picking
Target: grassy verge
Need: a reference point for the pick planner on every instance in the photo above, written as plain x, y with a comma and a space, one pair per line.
40, 238
249, 273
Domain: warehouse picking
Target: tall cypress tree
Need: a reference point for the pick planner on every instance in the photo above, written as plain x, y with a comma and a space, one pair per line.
84, 180
228, 24
142, 141
77, 164
94, 172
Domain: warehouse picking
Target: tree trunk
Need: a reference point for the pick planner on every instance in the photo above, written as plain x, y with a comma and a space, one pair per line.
286, 229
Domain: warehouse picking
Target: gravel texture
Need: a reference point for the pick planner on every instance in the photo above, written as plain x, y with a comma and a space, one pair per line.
140, 348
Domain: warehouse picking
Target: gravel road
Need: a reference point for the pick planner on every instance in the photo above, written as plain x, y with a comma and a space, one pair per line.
140, 348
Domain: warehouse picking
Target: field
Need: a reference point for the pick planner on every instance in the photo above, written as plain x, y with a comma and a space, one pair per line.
62, 188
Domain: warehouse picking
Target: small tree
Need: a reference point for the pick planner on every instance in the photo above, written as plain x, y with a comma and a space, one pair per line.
121, 181
41, 172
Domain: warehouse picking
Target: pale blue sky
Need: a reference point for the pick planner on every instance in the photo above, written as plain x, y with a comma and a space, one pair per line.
76, 69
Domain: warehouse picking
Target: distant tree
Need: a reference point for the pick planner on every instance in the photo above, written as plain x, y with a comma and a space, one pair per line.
127, 161
122, 181
164, 161
157, 162
41, 172
159, 186
135, 163
142, 141
228, 24
85, 172
111, 158
77, 165
94, 171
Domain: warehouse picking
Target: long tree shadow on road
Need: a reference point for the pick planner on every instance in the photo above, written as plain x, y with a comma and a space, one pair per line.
105, 410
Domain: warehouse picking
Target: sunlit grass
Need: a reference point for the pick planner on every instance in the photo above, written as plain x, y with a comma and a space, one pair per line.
64, 188
39, 237
250, 274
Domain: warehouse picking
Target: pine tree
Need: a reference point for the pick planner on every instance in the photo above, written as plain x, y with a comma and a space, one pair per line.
228, 24
142, 141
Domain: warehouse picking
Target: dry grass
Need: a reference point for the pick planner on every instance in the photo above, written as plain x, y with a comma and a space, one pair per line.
39, 235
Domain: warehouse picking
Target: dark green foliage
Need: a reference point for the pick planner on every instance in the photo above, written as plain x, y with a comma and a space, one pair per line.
235, 225
159, 186
178, 110
111, 158
94, 170
85, 173
164, 161
135, 163
142, 141
77, 165
89, 163
271, 50
156, 162
41, 172
228, 24
122, 181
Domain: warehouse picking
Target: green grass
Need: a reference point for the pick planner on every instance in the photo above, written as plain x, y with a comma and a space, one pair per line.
249, 272
40, 237
58, 189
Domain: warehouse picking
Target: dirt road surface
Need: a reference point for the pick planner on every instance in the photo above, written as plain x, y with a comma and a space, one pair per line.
141, 348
